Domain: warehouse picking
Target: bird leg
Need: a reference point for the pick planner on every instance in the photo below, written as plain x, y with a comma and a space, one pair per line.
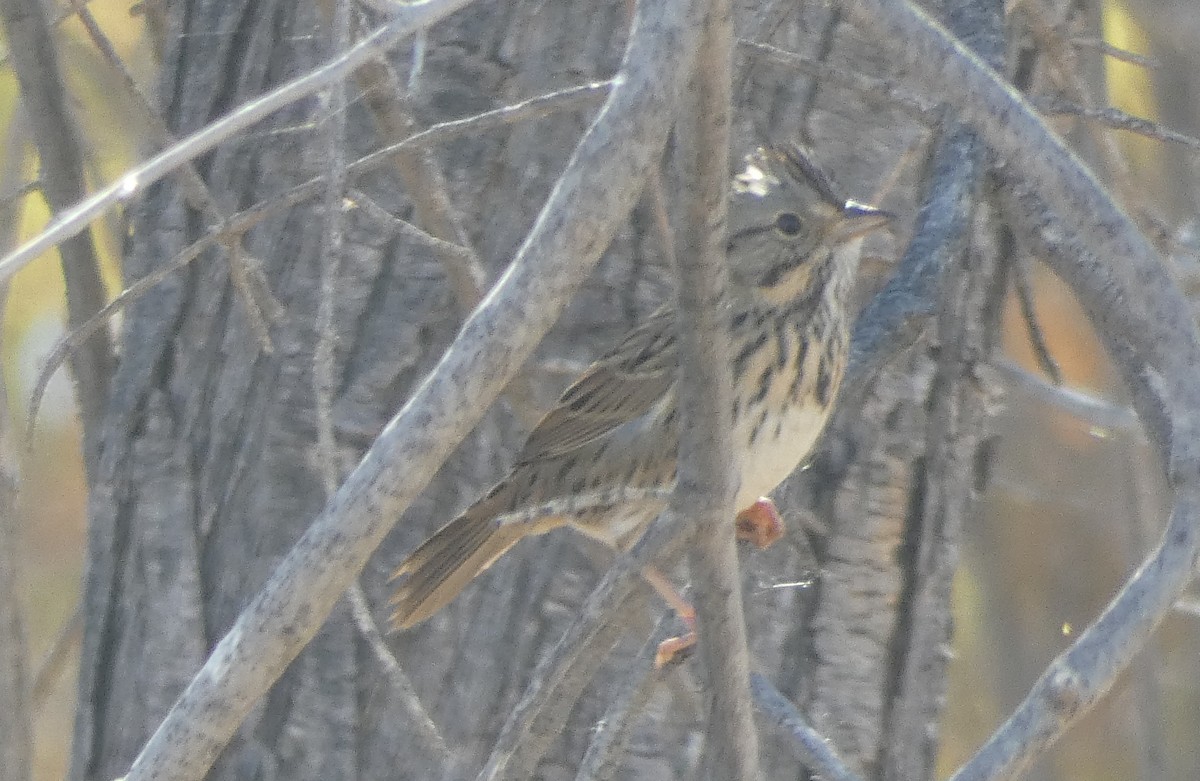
670, 648
760, 523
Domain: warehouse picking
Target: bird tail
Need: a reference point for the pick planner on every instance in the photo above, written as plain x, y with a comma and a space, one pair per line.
445, 563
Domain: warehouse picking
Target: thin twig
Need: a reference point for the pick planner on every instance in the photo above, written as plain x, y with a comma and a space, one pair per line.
231, 230
43, 93
195, 189
324, 370
916, 104
559, 678
594, 193
1117, 119
1117, 53
422, 726
70, 222
1022, 269
602, 760
1095, 412
809, 746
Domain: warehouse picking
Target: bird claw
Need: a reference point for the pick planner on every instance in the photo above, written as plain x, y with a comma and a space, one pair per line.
674, 649
760, 523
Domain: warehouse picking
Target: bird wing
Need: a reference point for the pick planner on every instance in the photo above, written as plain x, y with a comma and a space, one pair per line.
617, 388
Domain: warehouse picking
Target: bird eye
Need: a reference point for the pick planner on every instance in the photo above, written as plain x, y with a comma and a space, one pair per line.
788, 224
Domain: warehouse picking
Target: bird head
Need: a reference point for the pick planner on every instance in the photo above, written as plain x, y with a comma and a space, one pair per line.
789, 232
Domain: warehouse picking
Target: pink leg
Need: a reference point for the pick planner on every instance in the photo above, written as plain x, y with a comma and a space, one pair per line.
672, 647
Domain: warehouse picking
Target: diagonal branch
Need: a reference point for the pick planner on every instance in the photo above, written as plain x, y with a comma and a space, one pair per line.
598, 188
408, 19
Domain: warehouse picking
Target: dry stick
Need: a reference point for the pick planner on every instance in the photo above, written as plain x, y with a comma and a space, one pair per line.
324, 381
916, 104
68, 223
809, 746
1091, 410
602, 760
34, 57
1047, 33
27, 188
403, 227
1131, 300
1022, 270
54, 662
422, 727
426, 185
195, 189
706, 485
1117, 119
595, 192
230, 233
560, 676
1124, 55
234, 228
16, 720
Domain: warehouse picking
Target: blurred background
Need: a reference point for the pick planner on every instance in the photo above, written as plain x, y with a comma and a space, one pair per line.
1075, 498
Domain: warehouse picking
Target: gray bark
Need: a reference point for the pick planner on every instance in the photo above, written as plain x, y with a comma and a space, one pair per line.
209, 469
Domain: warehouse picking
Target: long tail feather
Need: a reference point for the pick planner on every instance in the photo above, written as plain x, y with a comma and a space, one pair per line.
443, 566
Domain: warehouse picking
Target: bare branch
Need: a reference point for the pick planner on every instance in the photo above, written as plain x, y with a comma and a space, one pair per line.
16, 719
1089, 409
43, 94
706, 485
809, 746
1117, 119
426, 732
70, 222
560, 677
1022, 269
602, 761
595, 192
1140, 313
1124, 55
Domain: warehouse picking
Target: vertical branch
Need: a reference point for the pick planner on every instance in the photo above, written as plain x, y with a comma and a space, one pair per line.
331, 258
967, 325
42, 91
16, 724
706, 484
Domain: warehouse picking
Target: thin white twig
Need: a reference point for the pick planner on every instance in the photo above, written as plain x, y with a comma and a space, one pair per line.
70, 222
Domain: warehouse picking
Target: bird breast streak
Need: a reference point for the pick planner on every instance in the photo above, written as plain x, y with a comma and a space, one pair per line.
782, 442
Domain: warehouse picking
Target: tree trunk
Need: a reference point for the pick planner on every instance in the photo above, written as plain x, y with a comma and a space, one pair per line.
210, 471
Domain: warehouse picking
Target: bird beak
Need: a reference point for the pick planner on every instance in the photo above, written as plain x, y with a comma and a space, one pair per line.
859, 219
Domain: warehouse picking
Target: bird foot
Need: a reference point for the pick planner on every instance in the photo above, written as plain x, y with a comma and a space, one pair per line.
674, 649
760, 523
